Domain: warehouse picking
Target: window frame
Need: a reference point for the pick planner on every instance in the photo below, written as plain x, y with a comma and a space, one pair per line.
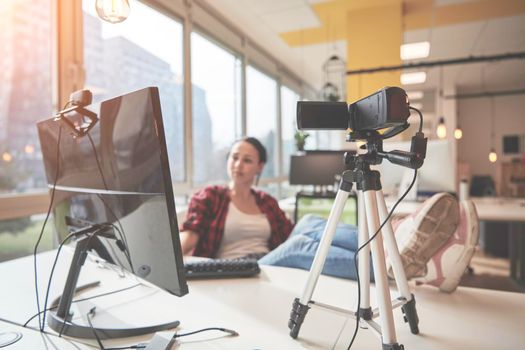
68, 75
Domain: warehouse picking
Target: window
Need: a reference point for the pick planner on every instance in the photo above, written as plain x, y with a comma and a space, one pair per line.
18, 236
289, 100
261, 121
216, 93
26, 77
145, 50
25, 91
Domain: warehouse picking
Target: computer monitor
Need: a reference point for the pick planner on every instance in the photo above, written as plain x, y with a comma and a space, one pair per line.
118, 176
316, 168
438, 173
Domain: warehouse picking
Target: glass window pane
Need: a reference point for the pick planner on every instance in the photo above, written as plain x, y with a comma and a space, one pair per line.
261, 121
327, 140
289, 100
25, 91
216, 93
120, 58
18, 236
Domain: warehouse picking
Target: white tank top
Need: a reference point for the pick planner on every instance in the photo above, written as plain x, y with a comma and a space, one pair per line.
244, 234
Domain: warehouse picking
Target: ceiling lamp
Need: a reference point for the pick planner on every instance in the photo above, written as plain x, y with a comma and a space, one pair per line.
415, 50
113, 11
493, 156
458, 133
335, 79
441, 130
413, 78
415, 95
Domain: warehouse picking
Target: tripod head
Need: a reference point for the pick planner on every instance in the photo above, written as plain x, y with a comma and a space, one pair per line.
375, 154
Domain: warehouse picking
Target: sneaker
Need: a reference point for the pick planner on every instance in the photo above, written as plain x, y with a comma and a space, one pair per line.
448, 265
420, 235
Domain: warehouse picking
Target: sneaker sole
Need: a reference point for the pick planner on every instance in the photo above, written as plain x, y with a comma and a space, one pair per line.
452, 281
434, 228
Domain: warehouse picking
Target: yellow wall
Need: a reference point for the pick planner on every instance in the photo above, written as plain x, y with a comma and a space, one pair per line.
373, 30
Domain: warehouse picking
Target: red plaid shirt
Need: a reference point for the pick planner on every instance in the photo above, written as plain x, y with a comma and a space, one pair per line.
207, 212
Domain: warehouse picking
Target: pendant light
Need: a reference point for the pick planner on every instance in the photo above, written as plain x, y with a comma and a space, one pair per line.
493, 156
458, 133
441, 130
112, 11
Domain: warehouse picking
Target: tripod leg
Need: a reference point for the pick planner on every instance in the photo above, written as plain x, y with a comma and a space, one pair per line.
384, 301
365, 311
392, 249
300, 307
409, 309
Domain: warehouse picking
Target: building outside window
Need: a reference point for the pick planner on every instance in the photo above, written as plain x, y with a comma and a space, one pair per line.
261, 120
120, 58
217, 95
25, 98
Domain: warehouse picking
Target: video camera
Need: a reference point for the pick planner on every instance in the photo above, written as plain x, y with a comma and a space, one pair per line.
376, 117
387, 108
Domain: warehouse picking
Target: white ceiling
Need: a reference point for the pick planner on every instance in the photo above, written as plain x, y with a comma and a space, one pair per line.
263, 20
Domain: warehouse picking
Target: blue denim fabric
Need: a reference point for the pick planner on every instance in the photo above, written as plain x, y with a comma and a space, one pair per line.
300, 248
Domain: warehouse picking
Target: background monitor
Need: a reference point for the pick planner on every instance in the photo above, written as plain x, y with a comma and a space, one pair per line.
438, 173
119, 173
316, 167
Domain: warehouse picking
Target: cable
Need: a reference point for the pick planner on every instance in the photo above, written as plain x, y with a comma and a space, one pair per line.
358, 317
225, 330
35, 269
142, 346
85, 299
365, 244
108, 207
98, 163
53, 271
88, 317
420, 118
51, 277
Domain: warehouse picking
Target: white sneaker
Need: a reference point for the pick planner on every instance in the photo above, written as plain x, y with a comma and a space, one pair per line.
448, 265
420, 235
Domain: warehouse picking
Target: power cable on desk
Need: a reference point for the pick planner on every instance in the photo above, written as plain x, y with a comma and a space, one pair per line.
42, 322
84, 299
231, 332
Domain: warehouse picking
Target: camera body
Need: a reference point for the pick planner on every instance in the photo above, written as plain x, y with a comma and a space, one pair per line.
386, 108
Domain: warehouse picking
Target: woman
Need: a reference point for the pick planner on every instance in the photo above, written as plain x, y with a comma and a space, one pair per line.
236, 220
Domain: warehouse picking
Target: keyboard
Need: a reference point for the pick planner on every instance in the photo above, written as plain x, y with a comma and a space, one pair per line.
221, 268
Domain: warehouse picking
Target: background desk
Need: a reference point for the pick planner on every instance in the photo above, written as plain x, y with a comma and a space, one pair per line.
488, 208
258, 308
510, 210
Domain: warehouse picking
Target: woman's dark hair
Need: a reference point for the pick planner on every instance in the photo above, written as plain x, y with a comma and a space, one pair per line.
261, 150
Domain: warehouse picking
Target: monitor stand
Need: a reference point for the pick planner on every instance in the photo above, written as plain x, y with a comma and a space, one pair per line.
60, 321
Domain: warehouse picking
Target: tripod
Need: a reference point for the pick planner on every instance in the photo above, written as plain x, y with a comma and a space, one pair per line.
371, 211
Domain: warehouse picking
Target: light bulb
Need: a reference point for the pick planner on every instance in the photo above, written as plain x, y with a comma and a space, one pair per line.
493, 156
113, 11
441, 130
458, 133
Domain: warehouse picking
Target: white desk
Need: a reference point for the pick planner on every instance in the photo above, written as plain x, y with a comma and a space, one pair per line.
488, 208
32, 339
258, 308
